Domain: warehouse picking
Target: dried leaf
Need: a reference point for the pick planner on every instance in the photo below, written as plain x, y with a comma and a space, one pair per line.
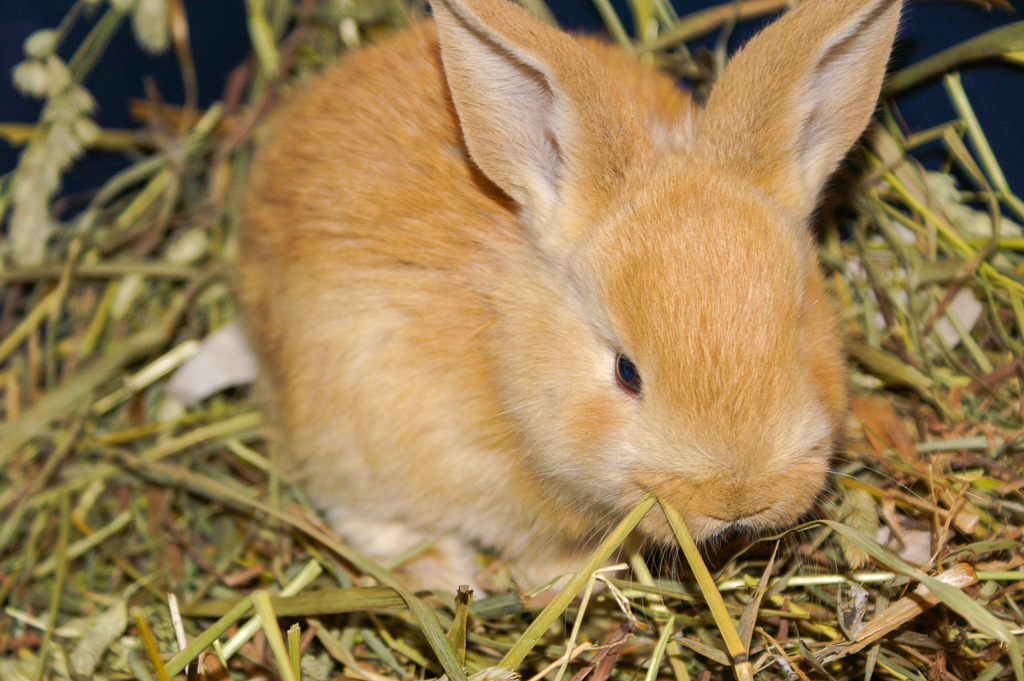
909, 607
224, 360
100, 632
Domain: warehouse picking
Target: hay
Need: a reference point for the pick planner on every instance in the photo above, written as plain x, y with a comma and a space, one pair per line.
142, 539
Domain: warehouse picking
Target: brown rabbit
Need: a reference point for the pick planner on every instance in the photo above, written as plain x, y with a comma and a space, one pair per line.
503, 288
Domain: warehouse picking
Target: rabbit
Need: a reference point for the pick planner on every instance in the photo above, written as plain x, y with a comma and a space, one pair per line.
503, 282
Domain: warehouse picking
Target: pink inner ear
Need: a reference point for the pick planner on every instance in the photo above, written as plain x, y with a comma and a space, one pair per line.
536, 104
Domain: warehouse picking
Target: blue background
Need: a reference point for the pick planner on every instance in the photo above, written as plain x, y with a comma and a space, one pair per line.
219, 42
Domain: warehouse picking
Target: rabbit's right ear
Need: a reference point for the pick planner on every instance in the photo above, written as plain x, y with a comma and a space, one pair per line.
793, 101
541, 117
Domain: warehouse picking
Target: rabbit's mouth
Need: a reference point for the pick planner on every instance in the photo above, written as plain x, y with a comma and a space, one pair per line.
743, 515
718, 505
705, 528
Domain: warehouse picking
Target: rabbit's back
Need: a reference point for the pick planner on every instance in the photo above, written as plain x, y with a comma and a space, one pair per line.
367, 152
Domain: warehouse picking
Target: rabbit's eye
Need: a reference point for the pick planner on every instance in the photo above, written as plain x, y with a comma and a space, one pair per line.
627, 375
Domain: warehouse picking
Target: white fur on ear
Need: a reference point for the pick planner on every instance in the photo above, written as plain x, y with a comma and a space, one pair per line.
842, 89
793, 101
506, 107
542, 117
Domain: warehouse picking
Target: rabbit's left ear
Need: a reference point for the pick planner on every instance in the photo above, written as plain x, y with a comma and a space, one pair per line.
793, 101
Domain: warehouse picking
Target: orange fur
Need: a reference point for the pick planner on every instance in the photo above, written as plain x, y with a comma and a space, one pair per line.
442, 257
